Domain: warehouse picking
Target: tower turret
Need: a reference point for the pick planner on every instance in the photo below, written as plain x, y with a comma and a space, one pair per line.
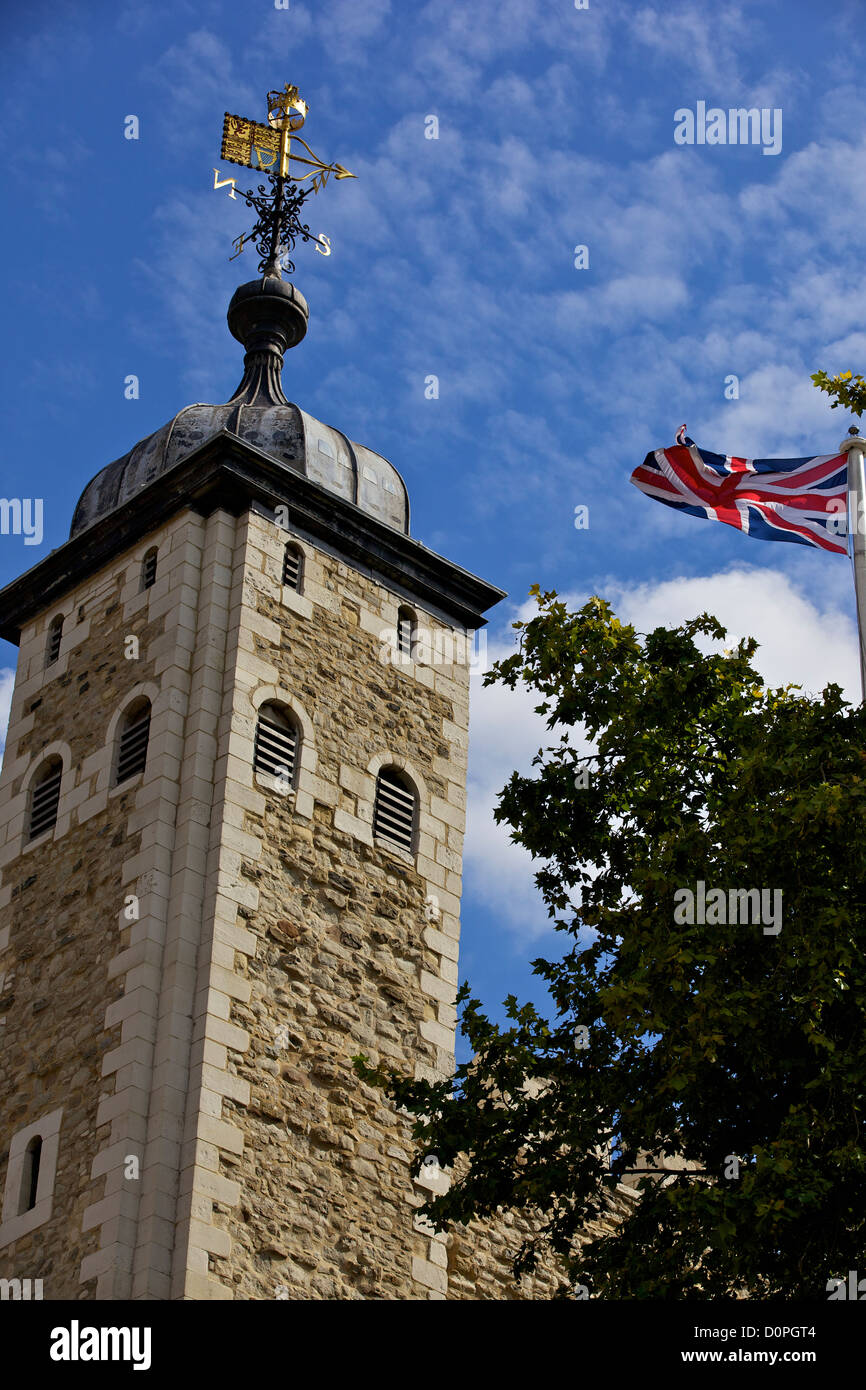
231, 822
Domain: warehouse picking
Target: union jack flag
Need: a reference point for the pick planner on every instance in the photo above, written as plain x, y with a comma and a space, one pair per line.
799, 500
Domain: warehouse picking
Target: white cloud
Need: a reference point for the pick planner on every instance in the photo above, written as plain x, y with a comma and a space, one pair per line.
805, 639
621, 301
791, 195
505, 734
354, 22
516, 192
808, 640
778, 413
195, 77
715, 39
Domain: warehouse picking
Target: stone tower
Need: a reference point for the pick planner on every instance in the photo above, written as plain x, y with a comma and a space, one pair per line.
231, 822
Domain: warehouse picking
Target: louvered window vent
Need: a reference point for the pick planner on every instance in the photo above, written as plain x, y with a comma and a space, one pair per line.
405, 633
276, 746
292, 568
55, 634
45, 800
132, 753
394, 812
148, 570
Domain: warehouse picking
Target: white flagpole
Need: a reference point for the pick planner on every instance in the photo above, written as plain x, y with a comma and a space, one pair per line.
855, 447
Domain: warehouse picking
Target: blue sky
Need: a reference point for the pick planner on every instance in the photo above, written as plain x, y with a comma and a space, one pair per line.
455, 257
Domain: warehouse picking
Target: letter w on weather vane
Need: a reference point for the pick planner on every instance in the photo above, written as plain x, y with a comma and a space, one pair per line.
272, 149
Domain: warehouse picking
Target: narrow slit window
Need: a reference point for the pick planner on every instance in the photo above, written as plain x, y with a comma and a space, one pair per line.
132, 745
31, 1170
55, 634
276, 746
293, 568
405, 632
30, 1174
394, 814
148, 569
45, 798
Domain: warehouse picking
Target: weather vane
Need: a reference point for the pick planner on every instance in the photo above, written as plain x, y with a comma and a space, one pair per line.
269, 148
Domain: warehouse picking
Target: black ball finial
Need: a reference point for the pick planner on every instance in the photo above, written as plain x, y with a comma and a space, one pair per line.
268, 316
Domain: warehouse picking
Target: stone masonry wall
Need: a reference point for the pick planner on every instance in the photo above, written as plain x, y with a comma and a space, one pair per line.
480, 1256
61, 895
210, 1038
98, 996
352, 954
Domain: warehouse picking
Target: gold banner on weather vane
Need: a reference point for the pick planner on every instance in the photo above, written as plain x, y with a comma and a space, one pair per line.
268, 148
249, 143
259, 146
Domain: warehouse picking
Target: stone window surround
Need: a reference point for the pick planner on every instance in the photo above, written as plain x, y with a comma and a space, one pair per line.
406, 614
407, 663
364, 786
15, 1224
115, 741
142, 569
294, 544
58, 621
39, 674
296, 599
378, 623
399, 765
105, 779
298, 603
302, 794
132, 596
72, 607
76, 628
19, 826
105, 758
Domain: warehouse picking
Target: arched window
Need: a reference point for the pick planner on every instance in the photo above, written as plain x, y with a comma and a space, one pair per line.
293, 567
148, 569
277, 746
406, 632
133, 735
55, 633
45, 797
395, 809
30, 1174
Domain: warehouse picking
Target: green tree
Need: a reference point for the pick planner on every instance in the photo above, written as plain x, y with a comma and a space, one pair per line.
709, 1040
849, 390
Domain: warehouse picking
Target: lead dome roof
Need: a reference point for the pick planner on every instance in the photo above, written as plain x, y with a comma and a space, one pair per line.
268, 316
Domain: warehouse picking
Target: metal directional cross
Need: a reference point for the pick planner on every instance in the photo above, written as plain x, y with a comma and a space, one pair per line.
269, 148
